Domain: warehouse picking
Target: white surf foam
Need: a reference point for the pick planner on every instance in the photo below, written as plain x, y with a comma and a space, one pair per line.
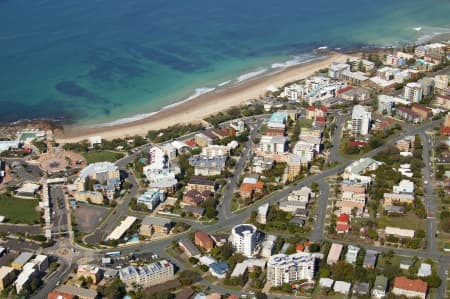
224, 83
251, 75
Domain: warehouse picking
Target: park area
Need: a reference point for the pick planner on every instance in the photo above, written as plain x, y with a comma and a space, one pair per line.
19, 210
102, 156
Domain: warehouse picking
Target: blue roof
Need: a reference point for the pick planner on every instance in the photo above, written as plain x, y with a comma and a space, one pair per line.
278, 117
219, 268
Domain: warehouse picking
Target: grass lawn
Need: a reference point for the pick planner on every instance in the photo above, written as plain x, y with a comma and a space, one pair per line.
409, 221
305, 123
19, 210
102, 156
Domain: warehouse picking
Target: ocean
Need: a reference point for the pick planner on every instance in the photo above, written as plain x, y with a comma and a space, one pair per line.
87, 62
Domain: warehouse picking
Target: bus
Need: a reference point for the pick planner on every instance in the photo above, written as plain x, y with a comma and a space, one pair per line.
113, 254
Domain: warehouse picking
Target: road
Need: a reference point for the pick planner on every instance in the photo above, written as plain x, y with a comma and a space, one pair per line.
225, 209
429, 201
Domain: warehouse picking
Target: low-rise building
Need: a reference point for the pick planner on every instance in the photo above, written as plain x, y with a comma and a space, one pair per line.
120, 230
189, 248
399, 232
410, 288
72, 292
424, 270
390, 198
154, 225
195, 198
342, 287
352, 254
21, 260
250, 186
203, 240
151, 198
380, 287
200, 184
90, 271
370, 259
334, 253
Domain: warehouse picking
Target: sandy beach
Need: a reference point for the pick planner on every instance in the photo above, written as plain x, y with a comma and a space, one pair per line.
202, 106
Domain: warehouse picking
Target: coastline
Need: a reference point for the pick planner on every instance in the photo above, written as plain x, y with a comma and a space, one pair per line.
202, 106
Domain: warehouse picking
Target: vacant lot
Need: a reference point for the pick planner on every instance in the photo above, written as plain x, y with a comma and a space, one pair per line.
102, 156
409, 221
19, 210
88, 216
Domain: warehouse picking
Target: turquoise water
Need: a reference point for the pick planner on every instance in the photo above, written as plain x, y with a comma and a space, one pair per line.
91, 61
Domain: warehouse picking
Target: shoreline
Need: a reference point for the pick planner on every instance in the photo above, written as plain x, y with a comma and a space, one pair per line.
195, 110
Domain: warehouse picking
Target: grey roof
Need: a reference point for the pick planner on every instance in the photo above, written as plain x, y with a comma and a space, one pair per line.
370, 259
186, 243
199, 180
406, 261
395, 209
23, 258
149, 220
381, 283
196, 210
361, 288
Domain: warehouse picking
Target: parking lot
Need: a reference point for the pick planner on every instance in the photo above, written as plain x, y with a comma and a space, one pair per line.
89, 216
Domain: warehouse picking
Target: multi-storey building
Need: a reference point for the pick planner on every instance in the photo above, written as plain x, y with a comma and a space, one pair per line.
361, 119
244, 238
282, 268
148, 275
413, 92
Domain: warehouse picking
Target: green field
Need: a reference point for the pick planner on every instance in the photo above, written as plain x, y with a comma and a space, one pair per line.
409, 221
102, 156
19, 210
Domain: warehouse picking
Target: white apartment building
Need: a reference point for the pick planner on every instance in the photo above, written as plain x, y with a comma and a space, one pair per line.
413, 92
282, 268
261, 217
361, 119
244, 239
215, 150
354, 197
148, 275
440, 84
304, 150
272, 144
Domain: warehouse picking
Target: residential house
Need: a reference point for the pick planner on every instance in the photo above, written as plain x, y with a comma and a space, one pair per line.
342, 223
352, 254
334, 253
380, 287
370, 259
410, 288
189, 248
